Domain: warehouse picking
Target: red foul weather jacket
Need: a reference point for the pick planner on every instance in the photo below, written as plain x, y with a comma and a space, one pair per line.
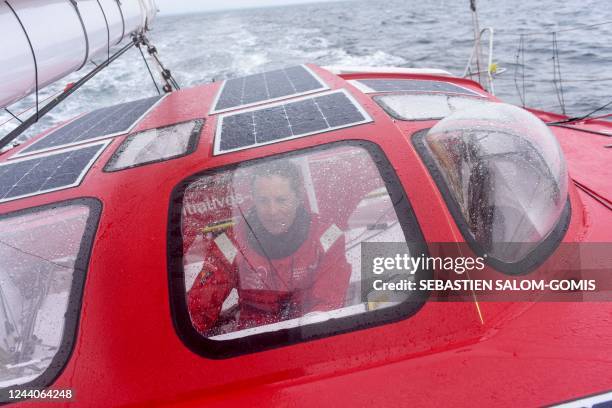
277, 277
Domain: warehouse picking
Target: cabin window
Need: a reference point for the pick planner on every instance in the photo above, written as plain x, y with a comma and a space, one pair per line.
426, 106
270, 250
44, 254
505, 180
155, 145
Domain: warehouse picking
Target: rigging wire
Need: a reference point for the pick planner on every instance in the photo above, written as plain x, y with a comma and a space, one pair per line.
557, 73
63, 95
601, 116
574, 80
520, 53
583, 117
583, 27
16, 116
137, 40
166, 74
13, 115
519, 71
476, 38
148, 68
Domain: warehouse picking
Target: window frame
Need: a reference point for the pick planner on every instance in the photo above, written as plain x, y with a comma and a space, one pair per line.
538, 255
221, 349
73, 311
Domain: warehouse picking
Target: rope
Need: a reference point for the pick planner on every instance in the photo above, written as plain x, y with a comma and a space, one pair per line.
33, 53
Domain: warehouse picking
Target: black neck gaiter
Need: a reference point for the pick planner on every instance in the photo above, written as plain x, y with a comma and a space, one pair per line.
277, 246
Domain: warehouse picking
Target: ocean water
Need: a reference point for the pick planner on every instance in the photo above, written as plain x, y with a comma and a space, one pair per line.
199, 48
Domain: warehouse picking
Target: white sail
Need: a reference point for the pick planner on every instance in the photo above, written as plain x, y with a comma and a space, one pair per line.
45, 40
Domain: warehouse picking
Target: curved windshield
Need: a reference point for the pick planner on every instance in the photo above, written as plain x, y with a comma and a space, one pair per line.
506, 172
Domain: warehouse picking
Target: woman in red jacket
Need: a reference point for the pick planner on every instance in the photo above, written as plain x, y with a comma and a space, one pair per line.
282, 259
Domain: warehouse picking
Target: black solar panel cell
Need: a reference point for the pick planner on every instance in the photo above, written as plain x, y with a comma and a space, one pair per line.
305, 117
271, 124
73, 165
42, 174
289, 120
231, 95
36, 175
103, 122
279, 84
255, 89
302, 79
337, 110
407, 85
10, 176
58, 180
271, 85
238, 131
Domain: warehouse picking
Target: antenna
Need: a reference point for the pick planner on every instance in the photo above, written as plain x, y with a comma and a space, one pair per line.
477, 49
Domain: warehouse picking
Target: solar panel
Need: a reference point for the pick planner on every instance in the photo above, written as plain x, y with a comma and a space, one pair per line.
95, 125
289, 120
267, 86
409, 85
50, 172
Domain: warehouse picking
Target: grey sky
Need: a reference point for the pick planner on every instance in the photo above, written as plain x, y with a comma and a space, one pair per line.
186, 6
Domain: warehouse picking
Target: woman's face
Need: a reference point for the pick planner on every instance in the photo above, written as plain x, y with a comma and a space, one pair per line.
276, 203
